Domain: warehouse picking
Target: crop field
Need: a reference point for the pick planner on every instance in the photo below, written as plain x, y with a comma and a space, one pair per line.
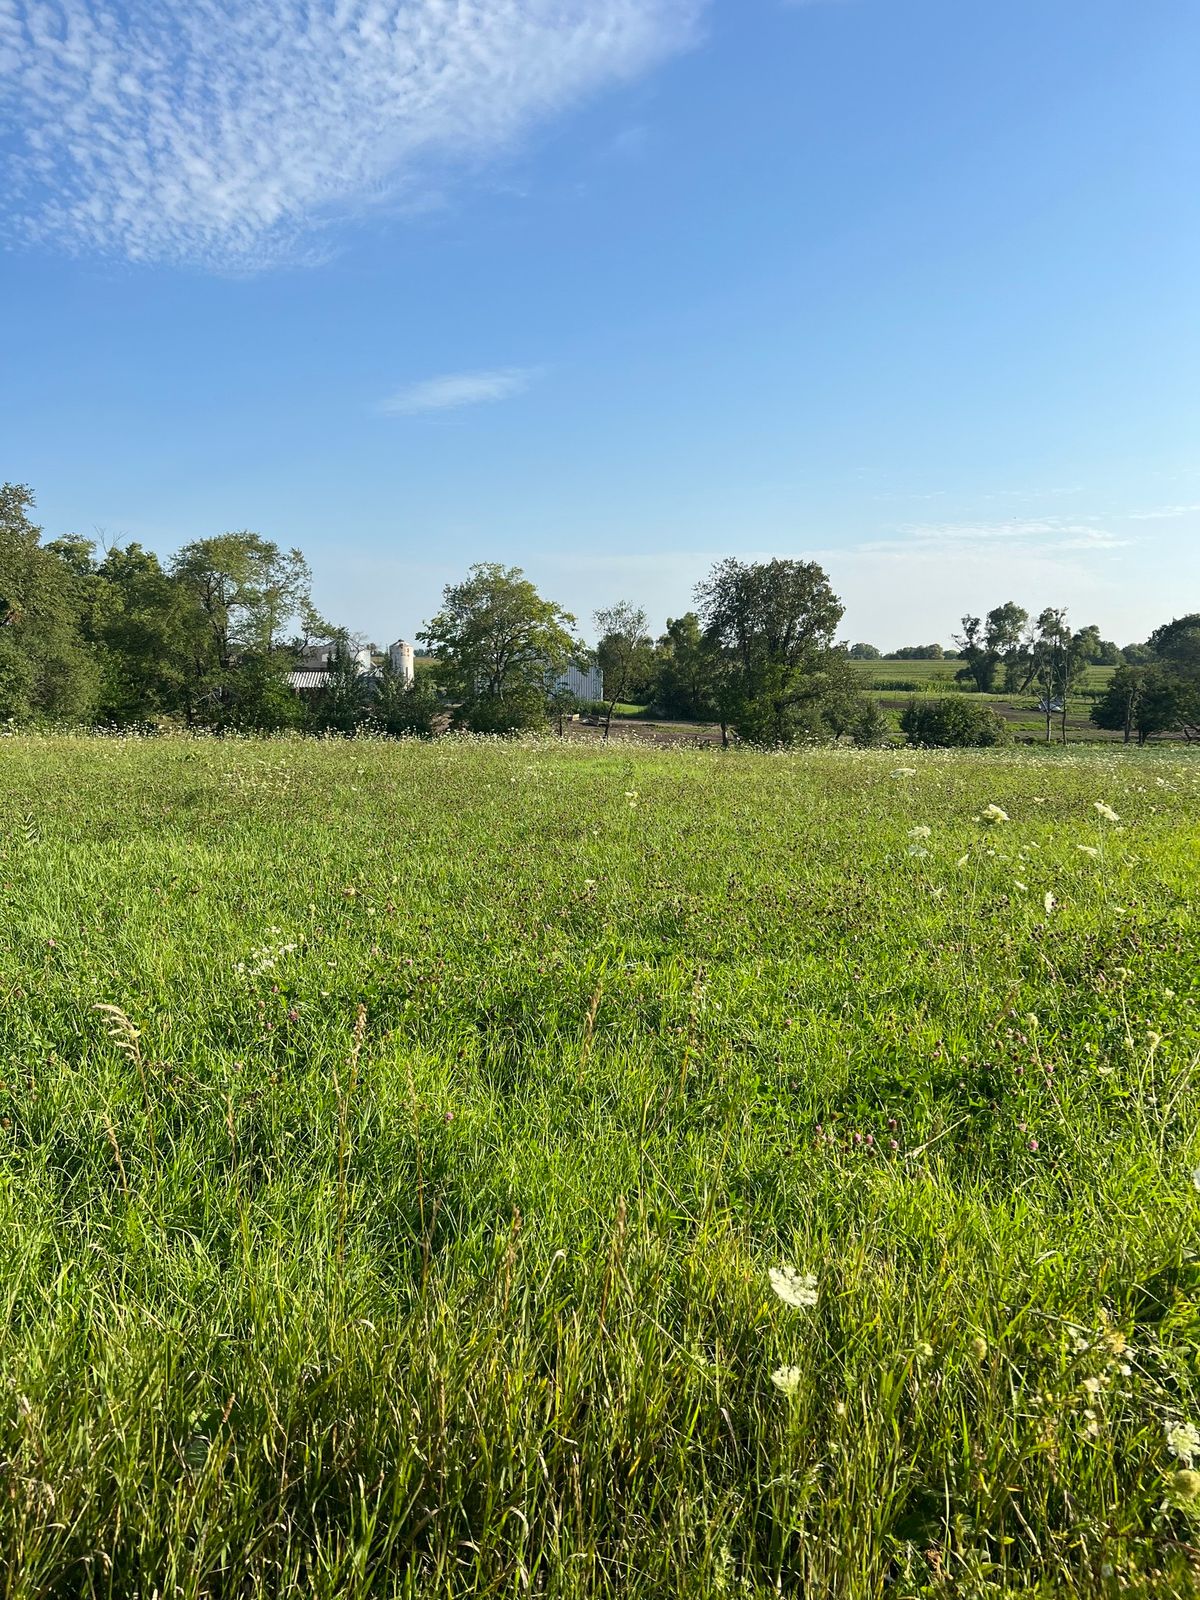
488, 1169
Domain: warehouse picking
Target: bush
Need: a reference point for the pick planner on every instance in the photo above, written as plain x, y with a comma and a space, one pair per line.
871, 729
953, 722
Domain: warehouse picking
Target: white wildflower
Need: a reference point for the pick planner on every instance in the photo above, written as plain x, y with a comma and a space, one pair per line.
787, 1379
1087, 849
1183, 1441
921, 832
1049, 902
905, 772
794, 1288
918, 851
1106, 811
1196, 1180
1023, 887
994, 814
962, 861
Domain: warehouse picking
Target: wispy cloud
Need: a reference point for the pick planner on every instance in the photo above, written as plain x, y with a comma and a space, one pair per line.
1045, 534
1164, 513
222, 132
458, 389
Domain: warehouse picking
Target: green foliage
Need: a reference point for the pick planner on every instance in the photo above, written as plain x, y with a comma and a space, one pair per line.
1145, 701
499, 647
952, 722
687, 670
865, 652
917, 652
994, 648
407, 1232
625, 654
46, 670
1176, 646
400, 709
773, 623
870, 728
240, 594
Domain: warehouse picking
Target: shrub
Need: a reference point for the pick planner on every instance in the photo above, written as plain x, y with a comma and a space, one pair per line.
871, 729
953, 722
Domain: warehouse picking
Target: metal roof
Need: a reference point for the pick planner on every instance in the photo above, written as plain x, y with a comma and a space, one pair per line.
308, 680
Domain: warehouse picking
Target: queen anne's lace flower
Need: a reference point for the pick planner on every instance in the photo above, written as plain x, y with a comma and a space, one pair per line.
1183, 1441
787, 1379
794, 1288
1106, 811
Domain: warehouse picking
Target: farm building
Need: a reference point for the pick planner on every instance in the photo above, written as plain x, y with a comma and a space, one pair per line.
312, 670
585, 683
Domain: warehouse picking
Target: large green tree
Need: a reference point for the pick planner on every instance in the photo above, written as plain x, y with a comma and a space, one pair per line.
46, 668
500, 647
774, 622
686, 671
1146, 701
1176, 646
242, 595
995, 648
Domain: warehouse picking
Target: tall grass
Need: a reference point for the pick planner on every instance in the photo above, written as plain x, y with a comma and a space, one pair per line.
395, 1142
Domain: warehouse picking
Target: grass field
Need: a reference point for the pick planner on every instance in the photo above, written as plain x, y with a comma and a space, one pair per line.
405, 1224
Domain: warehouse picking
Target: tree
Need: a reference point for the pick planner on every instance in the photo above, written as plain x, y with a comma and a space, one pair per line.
864, 652
46, 668
1058, 658
835, 689
500, 649
956, 721
987, 644
1146, 701
344, 701
242, 593
405, 710
1176, 646
916, 652
773, 623
870, 728
624, 653
685, 666
134, 620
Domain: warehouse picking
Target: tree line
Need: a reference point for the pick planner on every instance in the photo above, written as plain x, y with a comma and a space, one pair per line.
211, 637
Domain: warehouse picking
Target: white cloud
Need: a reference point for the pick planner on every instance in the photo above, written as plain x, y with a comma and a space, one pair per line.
1163, 513
458, 389
1044, 535
223, 132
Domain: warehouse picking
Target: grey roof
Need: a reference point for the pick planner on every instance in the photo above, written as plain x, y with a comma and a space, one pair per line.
308, 680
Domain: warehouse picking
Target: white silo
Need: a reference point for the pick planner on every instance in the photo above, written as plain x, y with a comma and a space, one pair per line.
401, 657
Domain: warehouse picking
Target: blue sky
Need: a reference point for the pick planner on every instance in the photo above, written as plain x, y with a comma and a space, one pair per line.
611, 288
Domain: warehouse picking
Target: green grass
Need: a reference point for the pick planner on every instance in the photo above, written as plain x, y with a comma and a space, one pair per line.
407, 1232
940, 677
